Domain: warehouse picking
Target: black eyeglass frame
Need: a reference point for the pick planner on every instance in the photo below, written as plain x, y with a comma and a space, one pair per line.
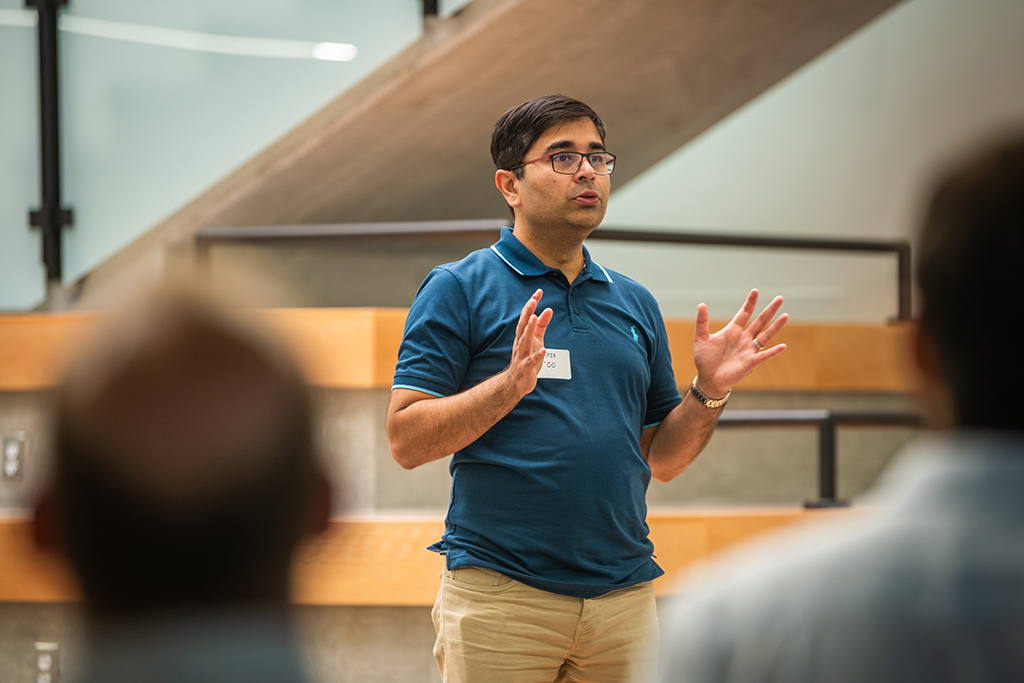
611, 166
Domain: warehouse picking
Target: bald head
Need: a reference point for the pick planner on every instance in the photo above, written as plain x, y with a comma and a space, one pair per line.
184, 470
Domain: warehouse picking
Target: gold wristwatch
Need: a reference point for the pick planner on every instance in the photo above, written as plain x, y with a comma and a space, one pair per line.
706, 400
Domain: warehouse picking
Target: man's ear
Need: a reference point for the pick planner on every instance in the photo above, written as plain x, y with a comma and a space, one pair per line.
508, 184
45, 530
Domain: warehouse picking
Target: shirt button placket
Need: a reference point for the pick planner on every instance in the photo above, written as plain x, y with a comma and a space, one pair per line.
575, 316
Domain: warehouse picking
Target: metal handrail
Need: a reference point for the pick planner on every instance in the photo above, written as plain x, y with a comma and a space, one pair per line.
482, 229
826, 422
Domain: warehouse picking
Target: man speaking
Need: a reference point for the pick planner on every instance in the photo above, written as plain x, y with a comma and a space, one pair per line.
557, 418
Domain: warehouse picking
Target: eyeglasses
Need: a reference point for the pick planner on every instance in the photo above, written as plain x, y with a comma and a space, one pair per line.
568, 163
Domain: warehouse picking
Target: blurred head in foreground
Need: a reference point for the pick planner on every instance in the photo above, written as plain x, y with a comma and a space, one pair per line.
184, 473
970, 257
927, 583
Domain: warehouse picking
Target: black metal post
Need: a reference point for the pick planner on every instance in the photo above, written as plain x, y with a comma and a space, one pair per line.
906, 283
827, 422
51, 216
827, 467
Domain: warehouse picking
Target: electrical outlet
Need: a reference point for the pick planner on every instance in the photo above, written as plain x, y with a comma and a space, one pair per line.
47, 663
13, 456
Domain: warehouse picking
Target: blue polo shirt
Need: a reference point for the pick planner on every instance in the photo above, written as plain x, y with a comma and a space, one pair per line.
554, 494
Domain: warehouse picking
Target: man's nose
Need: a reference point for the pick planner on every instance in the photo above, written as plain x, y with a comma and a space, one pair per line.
586, 170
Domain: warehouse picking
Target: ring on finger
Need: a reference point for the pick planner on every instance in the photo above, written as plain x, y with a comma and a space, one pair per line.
757, 345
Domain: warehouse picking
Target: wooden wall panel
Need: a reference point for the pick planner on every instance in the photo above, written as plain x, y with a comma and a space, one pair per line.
350, 348
28, 575
683, 539
384, 560
371, 562
356, 348
390, 324
334, 346
34, 347
818, 357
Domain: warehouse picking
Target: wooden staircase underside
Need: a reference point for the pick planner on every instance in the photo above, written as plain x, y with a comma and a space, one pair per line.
410, 142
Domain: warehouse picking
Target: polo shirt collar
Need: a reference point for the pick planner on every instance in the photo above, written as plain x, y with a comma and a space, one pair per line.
520, 259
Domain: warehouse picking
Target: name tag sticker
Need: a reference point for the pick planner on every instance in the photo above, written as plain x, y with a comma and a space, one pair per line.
555, 365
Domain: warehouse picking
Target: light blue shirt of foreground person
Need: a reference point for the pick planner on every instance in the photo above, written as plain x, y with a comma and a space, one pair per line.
927, 584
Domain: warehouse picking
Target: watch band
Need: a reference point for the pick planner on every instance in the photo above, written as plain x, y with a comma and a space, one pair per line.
706, 400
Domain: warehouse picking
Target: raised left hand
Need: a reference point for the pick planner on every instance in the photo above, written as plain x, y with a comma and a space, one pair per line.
727, 356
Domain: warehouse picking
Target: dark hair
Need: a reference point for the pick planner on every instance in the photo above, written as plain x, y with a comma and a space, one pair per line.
519, 127
969, 270
136, 552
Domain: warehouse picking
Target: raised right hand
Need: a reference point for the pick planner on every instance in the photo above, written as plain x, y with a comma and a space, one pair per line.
528, 348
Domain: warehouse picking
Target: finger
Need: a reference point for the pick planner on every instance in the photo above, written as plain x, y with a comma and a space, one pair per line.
746, 310
765, 317
538, 355
700, 330
536, 361
524, 315
523, 345
765, 338
542, 324
768, 354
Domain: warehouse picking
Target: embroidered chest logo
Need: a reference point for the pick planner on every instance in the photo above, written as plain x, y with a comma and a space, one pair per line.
636, 337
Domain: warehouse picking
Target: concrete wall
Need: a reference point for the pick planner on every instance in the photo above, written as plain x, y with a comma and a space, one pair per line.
741, 466
351, 273
27, 414
342, 644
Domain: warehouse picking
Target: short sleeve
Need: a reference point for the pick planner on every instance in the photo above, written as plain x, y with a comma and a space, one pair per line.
663, 393
435, 350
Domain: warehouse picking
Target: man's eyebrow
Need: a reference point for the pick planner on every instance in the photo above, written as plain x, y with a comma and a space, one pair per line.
569, 144
559, 144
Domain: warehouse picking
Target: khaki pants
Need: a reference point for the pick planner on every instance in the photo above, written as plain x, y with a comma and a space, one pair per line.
494, 629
